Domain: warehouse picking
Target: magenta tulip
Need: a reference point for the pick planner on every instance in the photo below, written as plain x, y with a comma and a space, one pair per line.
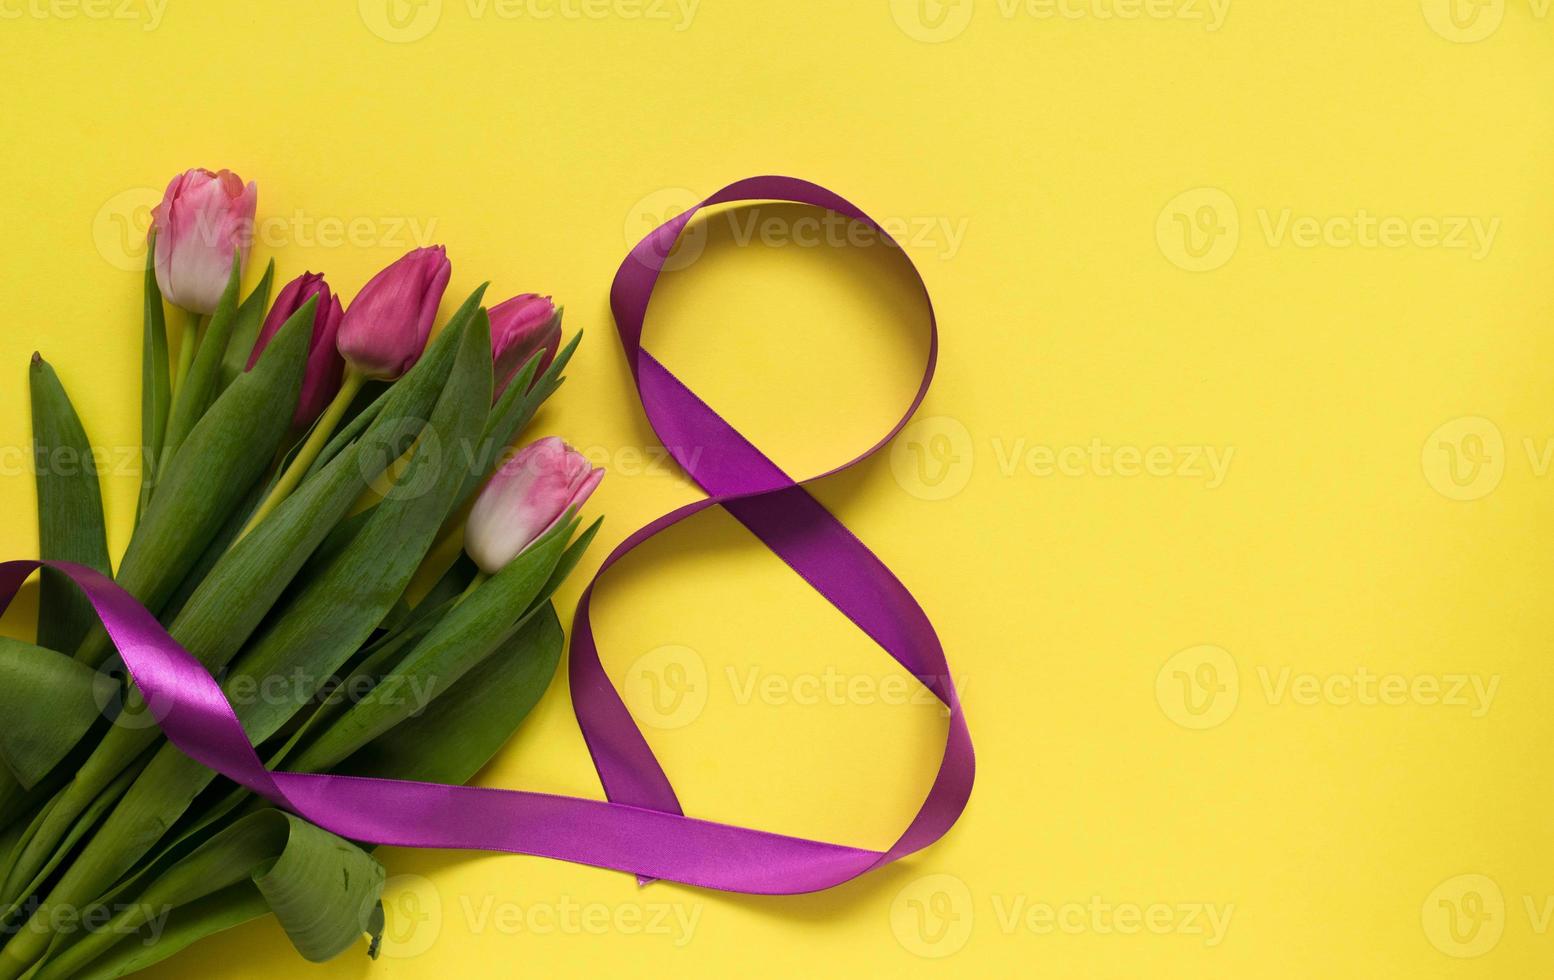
203, 221
526, 498
386, 326
321, 381
520, 328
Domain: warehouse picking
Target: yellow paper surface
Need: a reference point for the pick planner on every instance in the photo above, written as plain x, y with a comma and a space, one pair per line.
1231, 501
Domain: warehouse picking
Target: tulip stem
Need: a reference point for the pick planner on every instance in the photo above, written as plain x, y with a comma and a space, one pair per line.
186, 346
474, 583
317, 439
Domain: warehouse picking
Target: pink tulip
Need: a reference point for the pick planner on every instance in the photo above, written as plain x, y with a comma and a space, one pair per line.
321, 381
204, 219
526, 498
520, 327
386, 326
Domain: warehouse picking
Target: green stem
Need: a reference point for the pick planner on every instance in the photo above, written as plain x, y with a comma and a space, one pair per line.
317, 439
474, 584
186, 348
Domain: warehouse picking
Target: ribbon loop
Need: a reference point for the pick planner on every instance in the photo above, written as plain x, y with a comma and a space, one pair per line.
777, 510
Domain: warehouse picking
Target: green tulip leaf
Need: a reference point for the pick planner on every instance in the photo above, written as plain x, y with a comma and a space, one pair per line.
513, 411
223, 456
320, 887
156, 393
41, 690
70, 510
464, 728
199, 388
245, 329
462, 638
182, 928
569, 560
22, 881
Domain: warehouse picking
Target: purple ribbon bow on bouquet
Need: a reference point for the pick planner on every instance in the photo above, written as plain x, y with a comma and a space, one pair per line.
641, 828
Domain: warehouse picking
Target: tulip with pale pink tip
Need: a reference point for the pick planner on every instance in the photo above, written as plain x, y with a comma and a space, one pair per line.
202, 229
526, 498
204, 220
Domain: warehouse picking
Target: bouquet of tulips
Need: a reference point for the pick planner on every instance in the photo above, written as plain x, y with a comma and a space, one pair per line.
308, 470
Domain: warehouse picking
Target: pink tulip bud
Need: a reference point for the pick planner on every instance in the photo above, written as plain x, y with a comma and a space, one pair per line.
526, 498
521, 327
204, 219
386, 326
321, 381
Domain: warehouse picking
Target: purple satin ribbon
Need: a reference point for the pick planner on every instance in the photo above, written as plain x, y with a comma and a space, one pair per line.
640, 829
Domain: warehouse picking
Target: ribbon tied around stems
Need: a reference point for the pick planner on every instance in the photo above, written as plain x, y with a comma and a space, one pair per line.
640, 828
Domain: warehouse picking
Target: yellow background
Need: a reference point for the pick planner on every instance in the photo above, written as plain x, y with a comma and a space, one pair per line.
1140, 231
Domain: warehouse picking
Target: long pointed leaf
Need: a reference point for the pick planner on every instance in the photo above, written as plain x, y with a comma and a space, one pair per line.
232, 444
70, 509
156, 393
512, 412
41, 690
183, 928
460, 640
196, 391
320, 887
463, 729
245, 329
